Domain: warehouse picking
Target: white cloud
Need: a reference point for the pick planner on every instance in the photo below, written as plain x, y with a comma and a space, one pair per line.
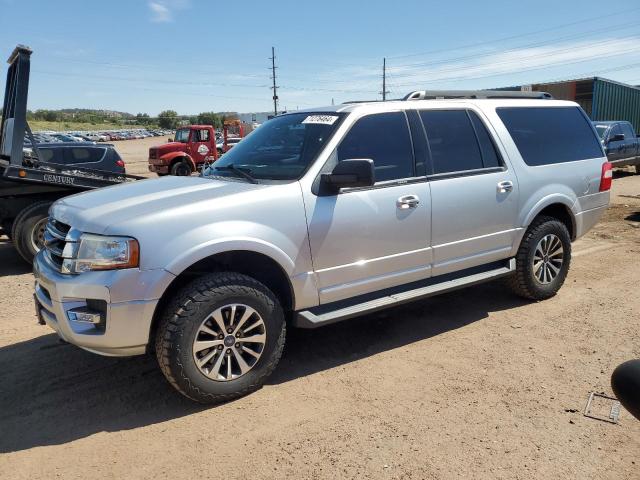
160, 13
162, 10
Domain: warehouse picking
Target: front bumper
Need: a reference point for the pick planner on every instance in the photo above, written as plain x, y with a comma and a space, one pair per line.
131, 297
158, 168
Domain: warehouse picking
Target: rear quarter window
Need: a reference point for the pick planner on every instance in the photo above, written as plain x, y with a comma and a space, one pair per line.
549, 135
84, 155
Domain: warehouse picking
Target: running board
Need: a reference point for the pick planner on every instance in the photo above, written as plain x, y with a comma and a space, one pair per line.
309, 319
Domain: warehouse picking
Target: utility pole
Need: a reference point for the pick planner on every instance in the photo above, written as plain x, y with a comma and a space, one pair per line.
273, 76
384, 79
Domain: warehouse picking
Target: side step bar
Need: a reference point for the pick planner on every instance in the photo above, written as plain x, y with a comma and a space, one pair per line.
309, 319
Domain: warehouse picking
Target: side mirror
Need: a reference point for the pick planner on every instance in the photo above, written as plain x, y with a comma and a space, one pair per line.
357, 172
618, 137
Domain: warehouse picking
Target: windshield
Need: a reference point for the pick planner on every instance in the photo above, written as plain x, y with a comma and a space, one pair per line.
281, 149
182, 136
602, 129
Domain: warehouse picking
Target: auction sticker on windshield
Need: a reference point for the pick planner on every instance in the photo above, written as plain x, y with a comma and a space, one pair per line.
321, 119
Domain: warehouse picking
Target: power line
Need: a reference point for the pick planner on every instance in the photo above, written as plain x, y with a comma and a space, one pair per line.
514, 49
500, 40
539, 67
518, 61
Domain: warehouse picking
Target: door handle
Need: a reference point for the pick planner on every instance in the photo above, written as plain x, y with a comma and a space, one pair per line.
407, 201
505, 187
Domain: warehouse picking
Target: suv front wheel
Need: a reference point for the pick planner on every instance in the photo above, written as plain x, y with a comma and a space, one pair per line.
543, 259
221, 337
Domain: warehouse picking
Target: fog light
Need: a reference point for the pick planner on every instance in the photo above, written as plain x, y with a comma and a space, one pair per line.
84, 315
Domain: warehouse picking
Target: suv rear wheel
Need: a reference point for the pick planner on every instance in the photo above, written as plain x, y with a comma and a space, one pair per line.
543, 259
221, 337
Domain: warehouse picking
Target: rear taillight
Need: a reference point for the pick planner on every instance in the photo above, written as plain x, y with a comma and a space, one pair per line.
606, 177
120, 163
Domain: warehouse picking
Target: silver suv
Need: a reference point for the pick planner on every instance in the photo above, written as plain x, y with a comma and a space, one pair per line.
316, 217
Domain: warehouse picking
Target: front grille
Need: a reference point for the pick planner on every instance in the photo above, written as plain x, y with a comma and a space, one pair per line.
153, 153
55, 241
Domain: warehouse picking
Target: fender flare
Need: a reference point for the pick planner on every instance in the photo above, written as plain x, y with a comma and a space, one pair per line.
168, 158
213, 247
544, 202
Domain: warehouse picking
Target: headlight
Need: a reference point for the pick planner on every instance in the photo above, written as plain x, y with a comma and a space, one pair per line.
97, 252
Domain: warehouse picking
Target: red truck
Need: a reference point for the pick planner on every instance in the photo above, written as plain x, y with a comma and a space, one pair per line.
193, 146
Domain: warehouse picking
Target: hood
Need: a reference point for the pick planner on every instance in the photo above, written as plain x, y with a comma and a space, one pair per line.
111, 210
169, 147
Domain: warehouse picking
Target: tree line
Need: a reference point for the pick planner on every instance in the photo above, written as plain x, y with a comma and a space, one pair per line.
166, 119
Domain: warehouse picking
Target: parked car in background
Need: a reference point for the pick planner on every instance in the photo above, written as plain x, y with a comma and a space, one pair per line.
83, 154
620, 142
231, 142
317, 217
98, 137
63, 137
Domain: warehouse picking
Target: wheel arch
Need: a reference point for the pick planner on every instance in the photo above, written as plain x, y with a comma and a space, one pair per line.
557, 206
172, 158
258, 265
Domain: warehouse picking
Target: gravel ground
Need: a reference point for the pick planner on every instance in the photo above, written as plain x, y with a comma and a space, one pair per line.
473, 384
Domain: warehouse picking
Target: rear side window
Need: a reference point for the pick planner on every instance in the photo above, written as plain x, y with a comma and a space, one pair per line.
384, 138
202, 135
452, 140
548, 135
490, 157
628, 131
50, 155
84, 155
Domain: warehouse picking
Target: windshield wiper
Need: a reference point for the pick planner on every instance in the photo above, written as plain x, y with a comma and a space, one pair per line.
243, 172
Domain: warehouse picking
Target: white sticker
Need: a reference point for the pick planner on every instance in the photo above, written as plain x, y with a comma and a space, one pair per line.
203, 149
321, 119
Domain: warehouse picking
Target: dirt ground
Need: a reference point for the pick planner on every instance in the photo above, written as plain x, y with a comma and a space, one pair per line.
135, 154
472, 384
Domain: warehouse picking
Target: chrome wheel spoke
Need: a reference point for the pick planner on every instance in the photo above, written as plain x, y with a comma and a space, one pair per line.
206, 358
244, 367
260, 338
217, 316
206, 329
215, 369
553, 269
232, 315
229, 374
200, 345
252, 326
248, 312
255, 355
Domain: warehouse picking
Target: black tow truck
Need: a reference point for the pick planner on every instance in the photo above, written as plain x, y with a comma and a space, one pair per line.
28, 186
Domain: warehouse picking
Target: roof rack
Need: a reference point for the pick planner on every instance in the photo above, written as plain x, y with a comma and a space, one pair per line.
449, 94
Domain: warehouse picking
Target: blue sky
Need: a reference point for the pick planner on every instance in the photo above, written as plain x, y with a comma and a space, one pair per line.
197, 55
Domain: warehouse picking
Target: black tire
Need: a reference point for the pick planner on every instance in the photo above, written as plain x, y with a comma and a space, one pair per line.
24, 224
181, 169
183, 317
524, 282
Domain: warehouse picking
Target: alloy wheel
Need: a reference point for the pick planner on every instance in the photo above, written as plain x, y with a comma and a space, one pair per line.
229, 342
547, 259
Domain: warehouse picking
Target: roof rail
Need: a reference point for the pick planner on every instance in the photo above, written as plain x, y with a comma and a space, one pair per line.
448, 94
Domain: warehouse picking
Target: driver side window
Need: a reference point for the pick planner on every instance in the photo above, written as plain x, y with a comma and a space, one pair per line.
383, 138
